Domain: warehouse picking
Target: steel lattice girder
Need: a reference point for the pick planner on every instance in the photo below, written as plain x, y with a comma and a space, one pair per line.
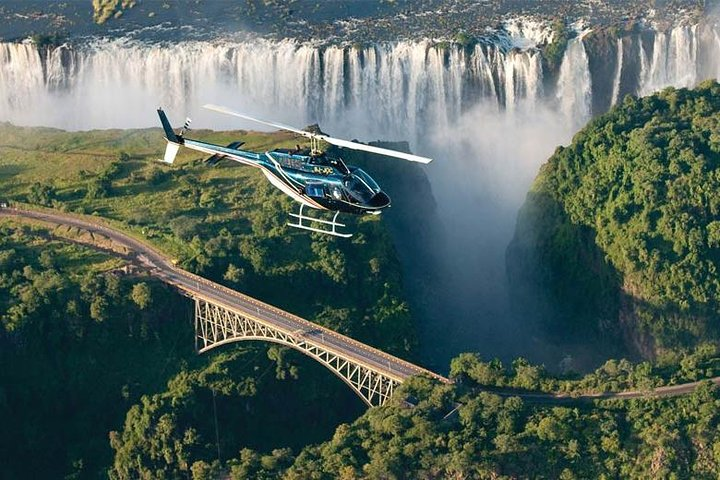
217, 325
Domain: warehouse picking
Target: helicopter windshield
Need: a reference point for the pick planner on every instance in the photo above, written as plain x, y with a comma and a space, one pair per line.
360, 186
367, 179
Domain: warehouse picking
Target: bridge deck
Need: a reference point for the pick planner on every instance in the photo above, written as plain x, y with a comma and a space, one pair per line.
198, 287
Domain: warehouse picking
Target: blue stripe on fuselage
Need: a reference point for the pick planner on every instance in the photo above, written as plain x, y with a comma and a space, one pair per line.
301, 176
252, 156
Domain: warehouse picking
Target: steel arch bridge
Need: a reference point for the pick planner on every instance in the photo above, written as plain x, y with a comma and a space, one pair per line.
374, 381
223, 315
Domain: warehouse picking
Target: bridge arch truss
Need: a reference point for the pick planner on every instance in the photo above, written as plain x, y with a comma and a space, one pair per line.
217, 325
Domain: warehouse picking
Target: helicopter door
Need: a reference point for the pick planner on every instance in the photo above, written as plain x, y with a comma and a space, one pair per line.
316, 190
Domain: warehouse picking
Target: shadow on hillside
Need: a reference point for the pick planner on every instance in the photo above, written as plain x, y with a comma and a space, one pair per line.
560, 282
8, 171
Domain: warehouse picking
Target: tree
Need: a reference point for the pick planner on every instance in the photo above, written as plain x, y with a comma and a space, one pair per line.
184, 226
41, 194
233, 274
46, 259
141, 295
99, 309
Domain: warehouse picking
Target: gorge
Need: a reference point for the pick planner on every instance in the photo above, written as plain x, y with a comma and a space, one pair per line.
464, 102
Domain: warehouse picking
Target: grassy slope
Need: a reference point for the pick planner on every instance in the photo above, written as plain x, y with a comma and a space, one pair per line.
69, 161
170, 205
210, 218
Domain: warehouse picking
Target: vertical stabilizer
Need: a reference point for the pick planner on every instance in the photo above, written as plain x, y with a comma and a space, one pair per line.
174, 141
170, 151
169, 133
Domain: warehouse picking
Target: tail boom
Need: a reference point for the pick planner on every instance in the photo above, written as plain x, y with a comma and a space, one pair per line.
217, 152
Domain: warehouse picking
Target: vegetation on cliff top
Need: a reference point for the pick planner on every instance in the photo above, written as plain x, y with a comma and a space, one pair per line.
82, 348
225, 223
487, 436
105, 9
553, 52
622, 227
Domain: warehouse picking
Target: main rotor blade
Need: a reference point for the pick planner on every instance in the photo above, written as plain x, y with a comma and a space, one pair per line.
280, 126
335, 141
369, 148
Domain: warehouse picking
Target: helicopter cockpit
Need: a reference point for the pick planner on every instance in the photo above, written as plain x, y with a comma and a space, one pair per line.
360, 186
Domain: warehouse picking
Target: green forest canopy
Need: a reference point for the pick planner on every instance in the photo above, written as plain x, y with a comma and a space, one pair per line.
450, 432
225, 223
638, 189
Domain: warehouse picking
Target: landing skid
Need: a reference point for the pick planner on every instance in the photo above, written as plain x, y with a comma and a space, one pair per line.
334, 224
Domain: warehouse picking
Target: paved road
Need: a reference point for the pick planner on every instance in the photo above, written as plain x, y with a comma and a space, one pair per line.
160, 266
659, 392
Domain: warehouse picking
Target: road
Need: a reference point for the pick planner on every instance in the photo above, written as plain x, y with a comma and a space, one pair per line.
161, 267
659, 392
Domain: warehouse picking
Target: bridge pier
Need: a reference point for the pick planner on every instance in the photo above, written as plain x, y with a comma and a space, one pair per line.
217, 324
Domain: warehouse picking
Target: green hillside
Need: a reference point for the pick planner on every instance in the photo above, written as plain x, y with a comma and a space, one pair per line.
98, 376
68, 379
620, 235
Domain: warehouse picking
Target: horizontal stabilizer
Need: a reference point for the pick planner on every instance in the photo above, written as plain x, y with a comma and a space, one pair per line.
212, 161
170, 151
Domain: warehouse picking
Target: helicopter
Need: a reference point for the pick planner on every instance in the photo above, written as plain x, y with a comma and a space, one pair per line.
310, 177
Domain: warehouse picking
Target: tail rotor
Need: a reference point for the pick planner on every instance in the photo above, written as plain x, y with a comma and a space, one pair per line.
186, 126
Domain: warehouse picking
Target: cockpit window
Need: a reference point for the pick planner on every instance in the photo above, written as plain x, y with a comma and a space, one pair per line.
358, 189
367, 179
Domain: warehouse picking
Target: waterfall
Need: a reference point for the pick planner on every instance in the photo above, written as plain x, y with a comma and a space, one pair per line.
522, 79
716, 37
682, 56
573, 89
389, 90
21, 76
333, 81
618, 72
674, 60
481, 70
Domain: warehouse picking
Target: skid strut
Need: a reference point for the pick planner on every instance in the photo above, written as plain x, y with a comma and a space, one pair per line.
334, 224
